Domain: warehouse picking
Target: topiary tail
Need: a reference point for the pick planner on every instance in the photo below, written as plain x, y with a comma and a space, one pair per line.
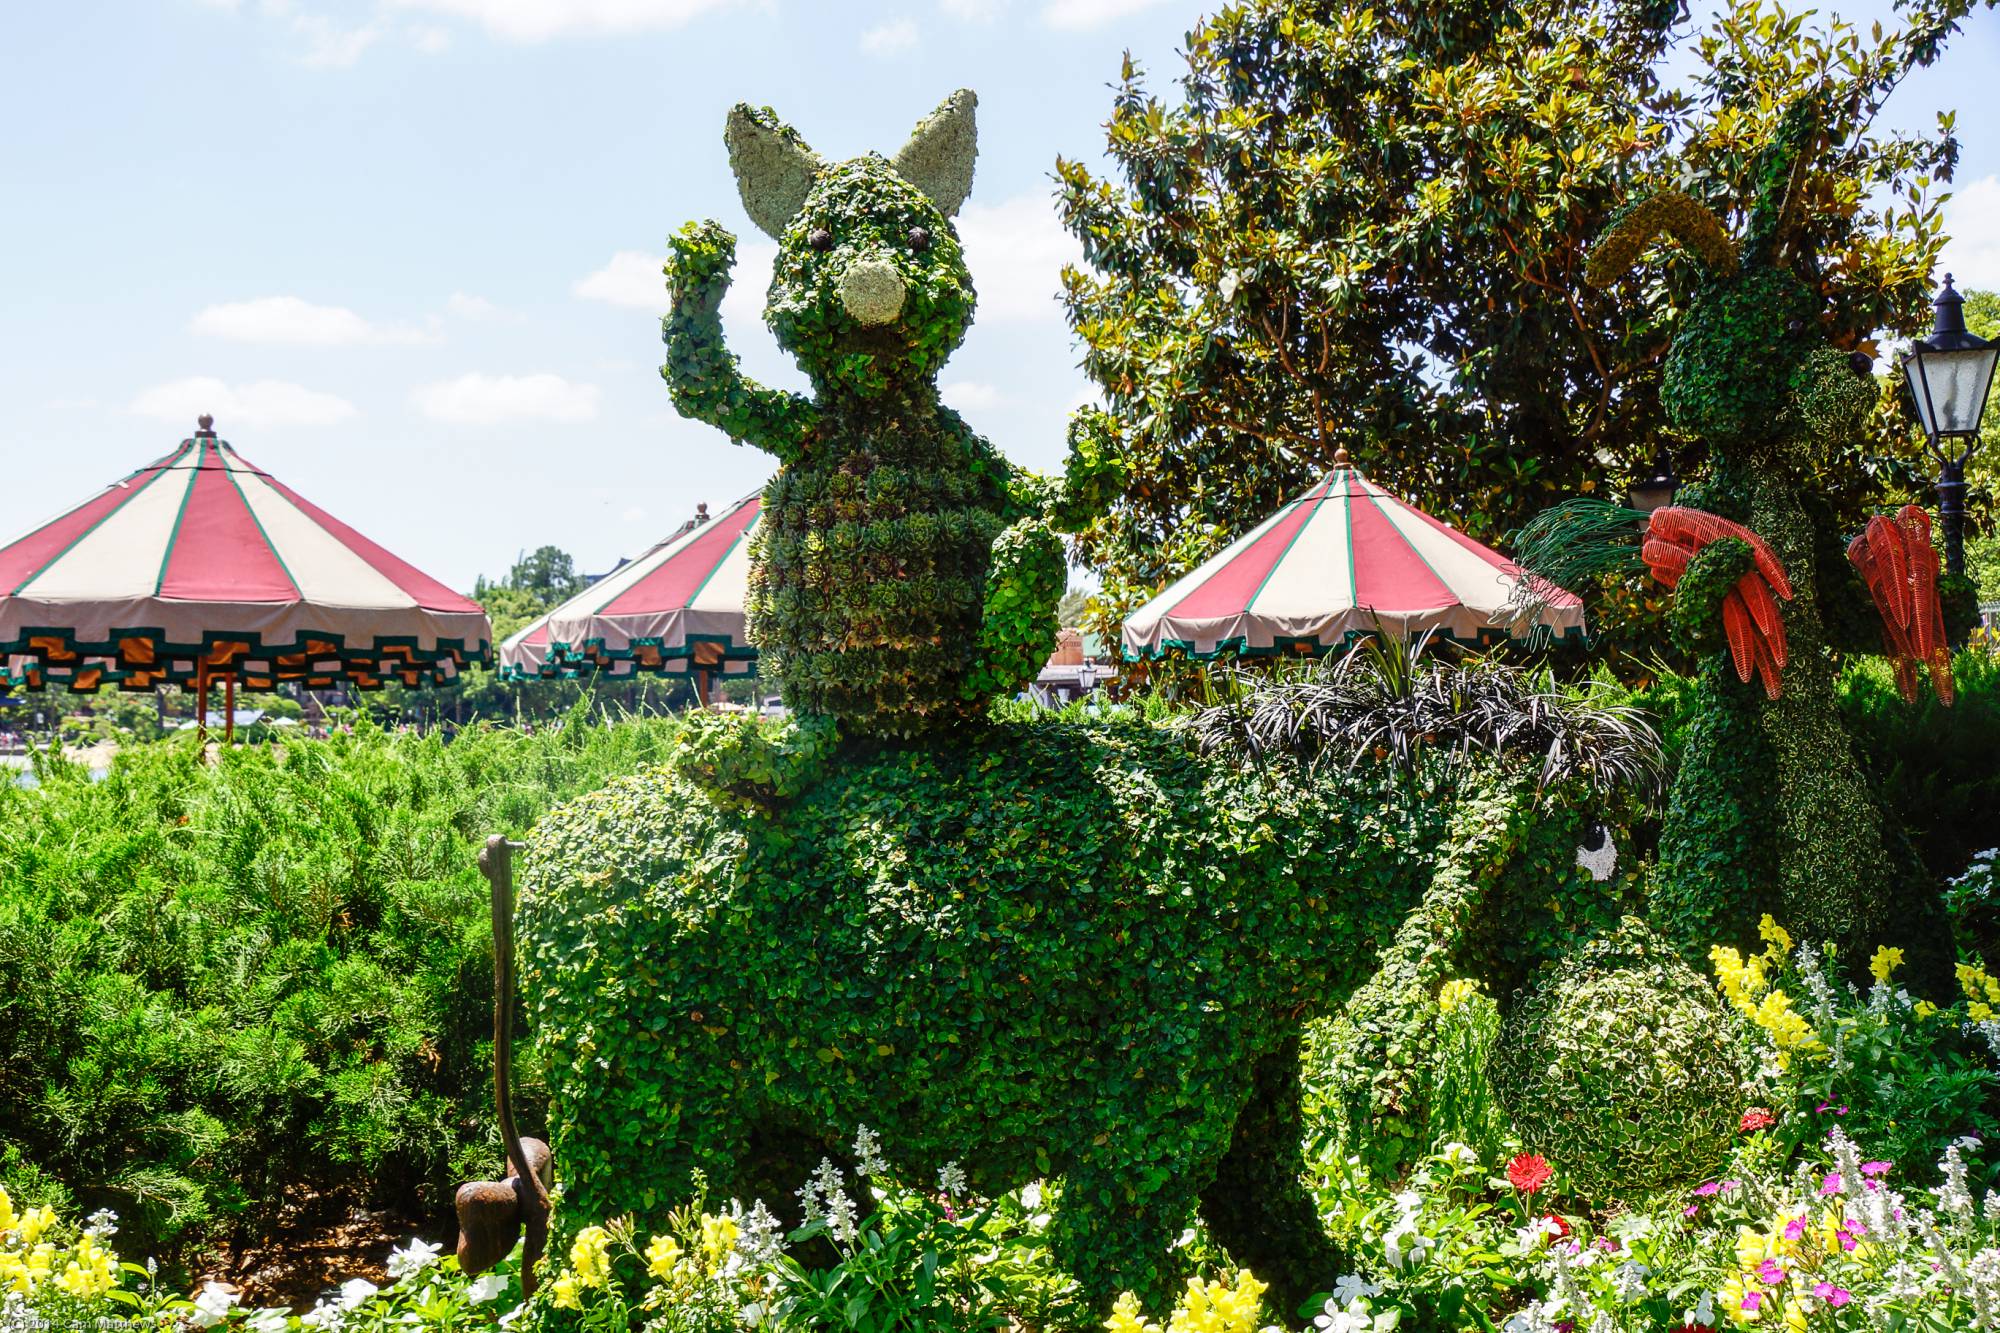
1572, 545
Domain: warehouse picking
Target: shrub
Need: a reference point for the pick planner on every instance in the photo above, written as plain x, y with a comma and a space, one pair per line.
228, 987
1617, 1062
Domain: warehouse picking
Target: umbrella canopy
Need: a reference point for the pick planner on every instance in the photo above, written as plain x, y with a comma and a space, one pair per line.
675, 611
1345, 558
203, 567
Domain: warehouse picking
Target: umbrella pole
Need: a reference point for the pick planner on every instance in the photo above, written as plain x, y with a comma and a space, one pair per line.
229, 708
201, 704
701, 688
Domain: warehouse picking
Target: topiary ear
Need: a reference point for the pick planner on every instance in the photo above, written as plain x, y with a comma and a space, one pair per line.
938, 158
774, 168
1779, 203
1687, 220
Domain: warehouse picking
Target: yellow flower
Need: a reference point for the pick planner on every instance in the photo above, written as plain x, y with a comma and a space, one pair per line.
1795, 1315
1751, 1248
1979, 1012
1775, 934
1923, 1009
1456, 993
1126, 1317
33, 1223
1972, 980
591, 1257
718, 1238
6, 1211
1732, 1293
91, 1273
1216, 1307
565, 1288
1885, 961
662, 1255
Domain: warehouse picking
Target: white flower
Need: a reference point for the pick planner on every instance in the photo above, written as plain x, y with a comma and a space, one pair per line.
841, 1220
485, 1287
1351, 1287
327, 1316
868, 1153
951, 1180
1460, 1154
1031, 1195
1404, 1247
355, 1292
212, 1306
507, 1320
1336, 1320
411, 1259
1629, 1280
816, 1195
269, 1321
1703, 1312
1409, 1201
760, 1240
102, 1224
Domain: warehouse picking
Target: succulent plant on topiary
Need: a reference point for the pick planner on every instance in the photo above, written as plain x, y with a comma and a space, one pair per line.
1616, 1063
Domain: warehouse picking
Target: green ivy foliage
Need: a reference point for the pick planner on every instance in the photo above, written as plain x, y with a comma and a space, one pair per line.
1619, 1063
875, 590
1047, 949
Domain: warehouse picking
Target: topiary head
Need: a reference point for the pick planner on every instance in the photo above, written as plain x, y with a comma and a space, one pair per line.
870, 290
1750, 365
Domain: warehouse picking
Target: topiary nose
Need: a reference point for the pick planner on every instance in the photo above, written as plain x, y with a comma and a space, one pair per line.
872, 291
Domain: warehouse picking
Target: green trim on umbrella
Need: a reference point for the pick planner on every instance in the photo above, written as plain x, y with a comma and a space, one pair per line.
1281, 646
1289, 541
1347, 512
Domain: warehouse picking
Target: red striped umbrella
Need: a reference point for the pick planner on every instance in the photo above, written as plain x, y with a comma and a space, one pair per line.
201, 567
677, 610
1345, 558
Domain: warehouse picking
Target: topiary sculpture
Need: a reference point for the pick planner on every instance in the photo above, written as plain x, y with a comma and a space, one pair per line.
1769, 810
1617, 1062
883, 589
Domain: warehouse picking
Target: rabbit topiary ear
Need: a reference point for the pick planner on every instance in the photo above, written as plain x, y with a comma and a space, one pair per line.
1779, 204
938, 158
1687, 220
774, 168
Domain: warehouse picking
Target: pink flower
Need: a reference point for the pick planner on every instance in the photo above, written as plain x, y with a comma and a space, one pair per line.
1831, 1185
1874, 1168
1832, 1295
1607, 1244
1771, 1271
1795, 1228
1752, 1299
1708, 1188
1848, 1234
1692, 1210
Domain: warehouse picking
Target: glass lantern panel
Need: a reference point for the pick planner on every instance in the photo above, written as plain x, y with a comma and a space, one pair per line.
1957, 382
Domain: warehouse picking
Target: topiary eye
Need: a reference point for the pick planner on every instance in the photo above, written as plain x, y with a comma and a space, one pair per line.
819, 238
919, 238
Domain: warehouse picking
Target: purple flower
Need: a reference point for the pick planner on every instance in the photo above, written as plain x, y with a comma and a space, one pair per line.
1772, 1272
1874, 1168
1692, 1210
1708, 1189
1848, 1234
1831, 1185
1752, 1300
1607, 1244
1795, 1228
1832, 1295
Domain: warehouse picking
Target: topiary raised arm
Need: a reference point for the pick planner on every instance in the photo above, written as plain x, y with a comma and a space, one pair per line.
700, 369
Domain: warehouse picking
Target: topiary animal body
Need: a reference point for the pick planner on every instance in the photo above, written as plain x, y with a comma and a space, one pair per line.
1052, 950
1769, 810
873, 567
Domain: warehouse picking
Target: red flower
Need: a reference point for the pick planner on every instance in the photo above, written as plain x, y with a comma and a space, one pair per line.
1529, 1172
1756, 1118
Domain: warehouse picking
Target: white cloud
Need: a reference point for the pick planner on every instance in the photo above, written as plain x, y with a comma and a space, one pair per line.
288, 319
259, 403
971, 395
749, 285
631, 278
430, 40
1074, 15
973, 11
464, 305
890, 38
1016, 250
330, 46
540, 20
1972, 220
488, 400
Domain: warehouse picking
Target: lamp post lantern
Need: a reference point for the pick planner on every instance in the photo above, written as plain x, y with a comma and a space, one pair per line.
1655, 491
1950, 374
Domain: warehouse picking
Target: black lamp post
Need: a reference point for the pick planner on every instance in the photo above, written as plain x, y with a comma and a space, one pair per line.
1655, 491
1950, 374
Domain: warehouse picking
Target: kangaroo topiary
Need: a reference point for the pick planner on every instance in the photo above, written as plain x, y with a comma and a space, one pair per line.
1769, 810
885, 589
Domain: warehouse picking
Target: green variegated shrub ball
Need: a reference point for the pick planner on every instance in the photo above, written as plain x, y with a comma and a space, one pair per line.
1617, 1064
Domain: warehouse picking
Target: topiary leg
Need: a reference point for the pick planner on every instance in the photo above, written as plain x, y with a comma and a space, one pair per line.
1112, 1237
1258, 1206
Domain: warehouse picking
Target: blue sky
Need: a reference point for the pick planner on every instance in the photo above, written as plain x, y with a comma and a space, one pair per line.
407, 250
